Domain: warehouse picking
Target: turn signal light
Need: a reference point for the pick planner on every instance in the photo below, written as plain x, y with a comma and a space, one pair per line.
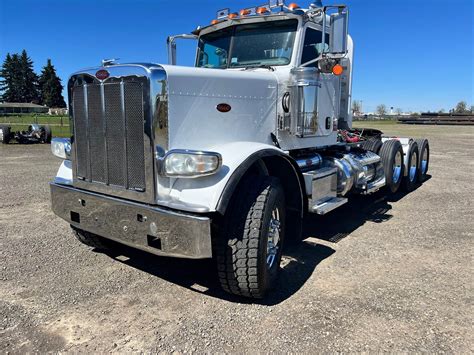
245, 12
293, 6
232, 15
337, 69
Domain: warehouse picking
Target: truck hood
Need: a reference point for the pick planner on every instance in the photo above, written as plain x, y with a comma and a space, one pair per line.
195, 96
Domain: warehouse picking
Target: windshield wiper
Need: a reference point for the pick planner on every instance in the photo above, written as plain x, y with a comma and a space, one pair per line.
264, 66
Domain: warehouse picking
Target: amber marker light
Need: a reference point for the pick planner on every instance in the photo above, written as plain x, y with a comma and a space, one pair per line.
214, 22
262, 10
232, 15
293, 6
337, 69
244, 12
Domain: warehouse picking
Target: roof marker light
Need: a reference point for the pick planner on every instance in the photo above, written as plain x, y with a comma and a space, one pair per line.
293, 6
262, 10
232, 15
245, 12
214, 22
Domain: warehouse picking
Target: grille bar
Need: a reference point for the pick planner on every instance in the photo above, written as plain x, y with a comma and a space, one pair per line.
109, 134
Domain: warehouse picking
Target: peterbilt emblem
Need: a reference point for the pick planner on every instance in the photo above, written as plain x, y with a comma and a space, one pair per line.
223, 107
102, 74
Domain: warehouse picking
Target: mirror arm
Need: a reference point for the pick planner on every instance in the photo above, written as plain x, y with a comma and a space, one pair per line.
171, 42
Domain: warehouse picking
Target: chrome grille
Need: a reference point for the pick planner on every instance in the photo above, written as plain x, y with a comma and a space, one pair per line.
109, 134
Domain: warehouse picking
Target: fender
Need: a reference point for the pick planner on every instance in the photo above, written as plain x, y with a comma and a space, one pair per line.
212, 193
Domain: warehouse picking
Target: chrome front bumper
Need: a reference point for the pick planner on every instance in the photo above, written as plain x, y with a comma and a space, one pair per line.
138, 225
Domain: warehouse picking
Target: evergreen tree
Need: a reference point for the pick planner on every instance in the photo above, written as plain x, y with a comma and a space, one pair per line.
51, 87
10, 74
19, 82
29, 80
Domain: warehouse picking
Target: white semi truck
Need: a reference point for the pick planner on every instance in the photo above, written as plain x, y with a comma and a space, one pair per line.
225, 159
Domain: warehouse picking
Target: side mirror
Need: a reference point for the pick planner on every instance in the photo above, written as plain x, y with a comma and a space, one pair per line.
338, 31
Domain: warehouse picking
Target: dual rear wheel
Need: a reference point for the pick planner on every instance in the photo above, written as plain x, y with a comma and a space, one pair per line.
417, 159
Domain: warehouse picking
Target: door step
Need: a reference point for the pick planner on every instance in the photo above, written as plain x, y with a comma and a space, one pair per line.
326, 206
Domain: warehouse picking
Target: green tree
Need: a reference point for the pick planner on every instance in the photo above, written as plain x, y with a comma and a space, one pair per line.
28, 82
51, 87
19, 82
10, 74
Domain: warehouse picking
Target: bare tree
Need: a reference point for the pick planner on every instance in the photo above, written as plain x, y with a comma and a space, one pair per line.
398, 111
441, 111
461, 107
472, 108
381, 110
356, 107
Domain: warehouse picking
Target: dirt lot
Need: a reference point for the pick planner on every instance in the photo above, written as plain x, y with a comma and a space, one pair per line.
378, 275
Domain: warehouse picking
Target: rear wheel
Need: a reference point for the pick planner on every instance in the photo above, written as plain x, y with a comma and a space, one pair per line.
409, 181
47, 134
391, 154
424, 160
372, 145
250, 238
90, 239
5, 134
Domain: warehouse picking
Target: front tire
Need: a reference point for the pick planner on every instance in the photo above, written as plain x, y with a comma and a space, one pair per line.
250, 237
90, 239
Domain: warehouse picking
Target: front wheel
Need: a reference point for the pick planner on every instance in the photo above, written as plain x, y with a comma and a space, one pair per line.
250, 237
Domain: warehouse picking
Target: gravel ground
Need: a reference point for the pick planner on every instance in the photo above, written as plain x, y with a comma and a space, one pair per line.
377, 275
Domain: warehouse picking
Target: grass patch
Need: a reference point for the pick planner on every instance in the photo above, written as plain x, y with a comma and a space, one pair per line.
29, 119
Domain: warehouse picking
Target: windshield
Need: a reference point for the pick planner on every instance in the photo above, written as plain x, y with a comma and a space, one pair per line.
251, 45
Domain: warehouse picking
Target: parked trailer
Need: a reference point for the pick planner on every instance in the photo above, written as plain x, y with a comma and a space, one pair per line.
34, 134
225, 159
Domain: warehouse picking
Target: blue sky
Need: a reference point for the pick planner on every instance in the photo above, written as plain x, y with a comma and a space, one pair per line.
412, 54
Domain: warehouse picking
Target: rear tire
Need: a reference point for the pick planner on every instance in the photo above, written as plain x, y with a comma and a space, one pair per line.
391, 155
250, 237
90, 239
47, 134
410, 181
424, 158
372, 145
5, 135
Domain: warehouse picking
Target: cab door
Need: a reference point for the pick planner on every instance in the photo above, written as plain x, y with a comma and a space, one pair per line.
327, 84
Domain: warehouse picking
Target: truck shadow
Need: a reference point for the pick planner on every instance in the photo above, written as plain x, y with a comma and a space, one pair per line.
298, 264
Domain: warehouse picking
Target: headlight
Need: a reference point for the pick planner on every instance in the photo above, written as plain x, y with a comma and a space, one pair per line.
188, 163
61, 147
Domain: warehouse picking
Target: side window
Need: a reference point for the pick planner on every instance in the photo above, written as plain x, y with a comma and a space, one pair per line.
213, 49
313, 46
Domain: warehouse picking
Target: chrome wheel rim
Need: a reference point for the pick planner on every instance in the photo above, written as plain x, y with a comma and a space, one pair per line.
397, 167
273, 239
424, 162
412, 172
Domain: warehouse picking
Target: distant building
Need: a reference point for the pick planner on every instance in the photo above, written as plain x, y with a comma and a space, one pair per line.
18, 107
58, 111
